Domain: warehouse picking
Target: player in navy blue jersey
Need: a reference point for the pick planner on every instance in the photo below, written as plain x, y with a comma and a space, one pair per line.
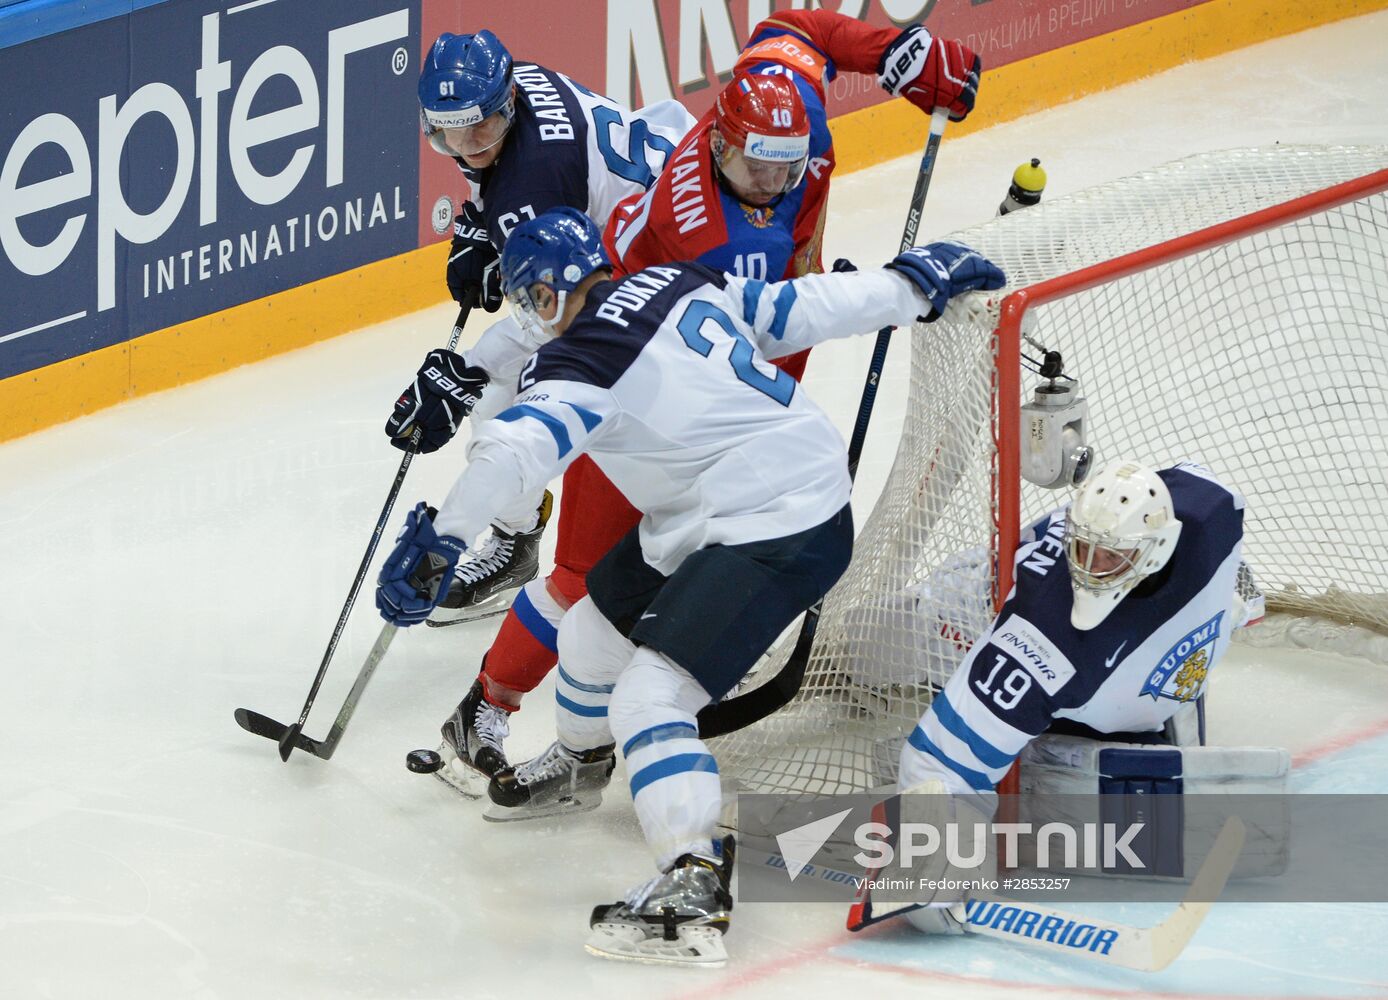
1123, 603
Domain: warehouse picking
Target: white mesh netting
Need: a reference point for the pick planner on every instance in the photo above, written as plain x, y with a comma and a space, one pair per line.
1265, 358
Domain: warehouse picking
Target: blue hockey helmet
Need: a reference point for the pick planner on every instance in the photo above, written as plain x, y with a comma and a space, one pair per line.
466, 78
558, 249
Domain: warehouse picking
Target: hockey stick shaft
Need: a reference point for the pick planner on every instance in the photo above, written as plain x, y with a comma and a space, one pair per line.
288, 740
746, 709
938, 120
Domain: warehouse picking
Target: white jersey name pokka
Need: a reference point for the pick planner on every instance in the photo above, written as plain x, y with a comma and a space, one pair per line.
726, 451
1131, 673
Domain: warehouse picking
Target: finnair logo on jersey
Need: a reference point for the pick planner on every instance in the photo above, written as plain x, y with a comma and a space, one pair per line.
1181, 673
1024, 642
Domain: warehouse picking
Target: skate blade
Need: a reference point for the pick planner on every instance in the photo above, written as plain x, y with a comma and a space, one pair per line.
467, 782
566, 806
699, 947
498, 604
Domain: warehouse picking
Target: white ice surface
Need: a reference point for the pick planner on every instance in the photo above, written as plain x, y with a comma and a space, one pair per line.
168, 560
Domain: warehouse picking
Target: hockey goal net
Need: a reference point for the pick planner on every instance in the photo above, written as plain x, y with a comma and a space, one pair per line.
1230, 308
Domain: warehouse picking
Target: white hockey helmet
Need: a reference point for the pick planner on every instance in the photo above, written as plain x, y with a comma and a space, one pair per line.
1121, 528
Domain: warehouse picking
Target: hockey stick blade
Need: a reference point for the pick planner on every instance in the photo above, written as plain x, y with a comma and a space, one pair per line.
263, 725
1147, 949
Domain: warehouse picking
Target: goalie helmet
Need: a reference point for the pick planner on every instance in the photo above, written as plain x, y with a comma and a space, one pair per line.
761, 137
466, 80
558, 249
1120, 530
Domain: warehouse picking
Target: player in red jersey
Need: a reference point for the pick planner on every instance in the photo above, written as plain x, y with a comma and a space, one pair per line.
745, 192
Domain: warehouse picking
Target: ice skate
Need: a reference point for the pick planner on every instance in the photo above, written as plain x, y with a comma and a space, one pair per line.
678, 918
560, 780
488, 577
472, 749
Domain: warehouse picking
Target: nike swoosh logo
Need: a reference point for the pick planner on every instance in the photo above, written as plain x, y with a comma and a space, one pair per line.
1108, 664
648, 614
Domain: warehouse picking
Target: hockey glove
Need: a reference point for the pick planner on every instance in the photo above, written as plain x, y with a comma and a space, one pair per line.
472, 260
944, 270
416, 574
931, 72
443, 393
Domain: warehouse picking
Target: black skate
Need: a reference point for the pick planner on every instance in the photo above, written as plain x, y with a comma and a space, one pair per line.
488, 577
559, 780
472, 744
678, 918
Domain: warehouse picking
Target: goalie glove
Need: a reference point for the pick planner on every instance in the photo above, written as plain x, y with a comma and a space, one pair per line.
415, 575
443, 393
943, 270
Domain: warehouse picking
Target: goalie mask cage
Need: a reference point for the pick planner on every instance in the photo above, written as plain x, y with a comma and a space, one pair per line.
1230, 308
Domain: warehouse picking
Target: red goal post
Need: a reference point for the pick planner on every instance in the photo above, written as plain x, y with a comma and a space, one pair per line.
1230, 308
1015, 306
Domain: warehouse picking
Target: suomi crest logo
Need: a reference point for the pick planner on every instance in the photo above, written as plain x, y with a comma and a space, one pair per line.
1181, 673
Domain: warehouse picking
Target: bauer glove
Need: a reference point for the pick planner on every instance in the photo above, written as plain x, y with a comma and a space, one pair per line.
944, 270
443, 393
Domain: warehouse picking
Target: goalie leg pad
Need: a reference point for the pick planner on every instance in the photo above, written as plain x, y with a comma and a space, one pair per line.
1067, 778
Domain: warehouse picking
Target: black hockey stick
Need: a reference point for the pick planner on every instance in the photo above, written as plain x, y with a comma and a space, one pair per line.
289, 737
745, 709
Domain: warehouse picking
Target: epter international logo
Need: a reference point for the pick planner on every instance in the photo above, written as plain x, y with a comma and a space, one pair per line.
196, 156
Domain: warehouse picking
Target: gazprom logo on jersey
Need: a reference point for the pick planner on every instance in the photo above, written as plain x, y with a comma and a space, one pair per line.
1182, 671
777, 148
197, 156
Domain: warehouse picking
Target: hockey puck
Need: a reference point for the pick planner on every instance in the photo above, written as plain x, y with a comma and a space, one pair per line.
423, 761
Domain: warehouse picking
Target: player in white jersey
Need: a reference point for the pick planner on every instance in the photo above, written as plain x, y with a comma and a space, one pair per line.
528, 139
1122, 604
662, 377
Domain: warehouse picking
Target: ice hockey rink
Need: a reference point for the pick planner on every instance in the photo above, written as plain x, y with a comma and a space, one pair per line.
173, 558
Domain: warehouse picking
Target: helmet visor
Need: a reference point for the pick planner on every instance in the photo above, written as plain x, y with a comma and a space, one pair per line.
528, 312
759, 179
474, 140
466, 133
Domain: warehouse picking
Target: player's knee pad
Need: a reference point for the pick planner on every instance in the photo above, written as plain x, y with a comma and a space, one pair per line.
592, 654
1180, 795
652, 691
